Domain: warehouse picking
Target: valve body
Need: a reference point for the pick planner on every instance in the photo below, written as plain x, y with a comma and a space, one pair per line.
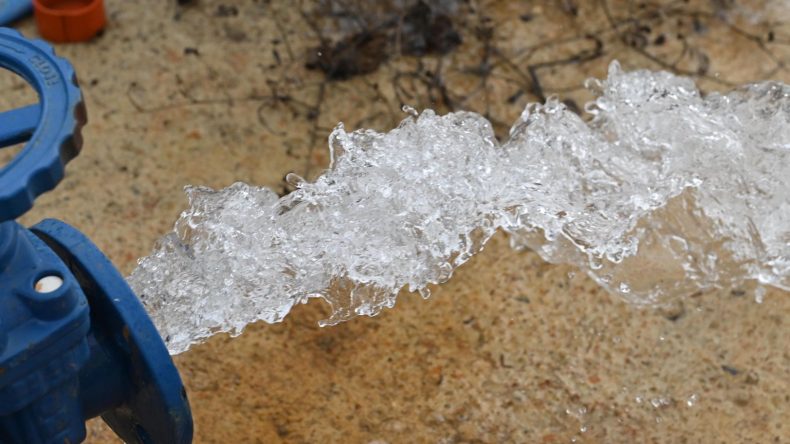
75, 341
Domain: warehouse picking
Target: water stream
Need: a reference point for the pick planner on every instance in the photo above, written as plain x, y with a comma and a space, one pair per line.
662, 193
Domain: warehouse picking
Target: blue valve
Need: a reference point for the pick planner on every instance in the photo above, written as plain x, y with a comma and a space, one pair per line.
75, 342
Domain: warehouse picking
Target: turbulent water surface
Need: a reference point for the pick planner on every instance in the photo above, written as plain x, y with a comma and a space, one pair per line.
662, 193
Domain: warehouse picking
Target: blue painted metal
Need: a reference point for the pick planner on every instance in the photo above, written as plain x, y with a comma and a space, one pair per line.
13, 10
39, 167
45, 344
18, 125
87, 348
130, 379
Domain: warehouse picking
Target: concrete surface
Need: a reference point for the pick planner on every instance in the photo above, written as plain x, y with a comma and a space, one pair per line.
512, 349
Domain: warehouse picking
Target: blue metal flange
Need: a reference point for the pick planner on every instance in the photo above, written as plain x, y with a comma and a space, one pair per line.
130, 379
52, 128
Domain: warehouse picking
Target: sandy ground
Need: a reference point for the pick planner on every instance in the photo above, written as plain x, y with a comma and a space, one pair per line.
512, 349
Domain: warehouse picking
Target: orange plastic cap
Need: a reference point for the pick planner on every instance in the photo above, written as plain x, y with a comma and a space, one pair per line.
65, 21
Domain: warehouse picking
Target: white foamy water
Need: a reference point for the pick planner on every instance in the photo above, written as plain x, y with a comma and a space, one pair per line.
663, 193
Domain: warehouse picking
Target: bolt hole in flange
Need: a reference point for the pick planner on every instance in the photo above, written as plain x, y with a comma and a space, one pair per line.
15, 94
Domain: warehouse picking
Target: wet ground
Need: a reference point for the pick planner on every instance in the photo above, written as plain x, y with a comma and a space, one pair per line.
512, 349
